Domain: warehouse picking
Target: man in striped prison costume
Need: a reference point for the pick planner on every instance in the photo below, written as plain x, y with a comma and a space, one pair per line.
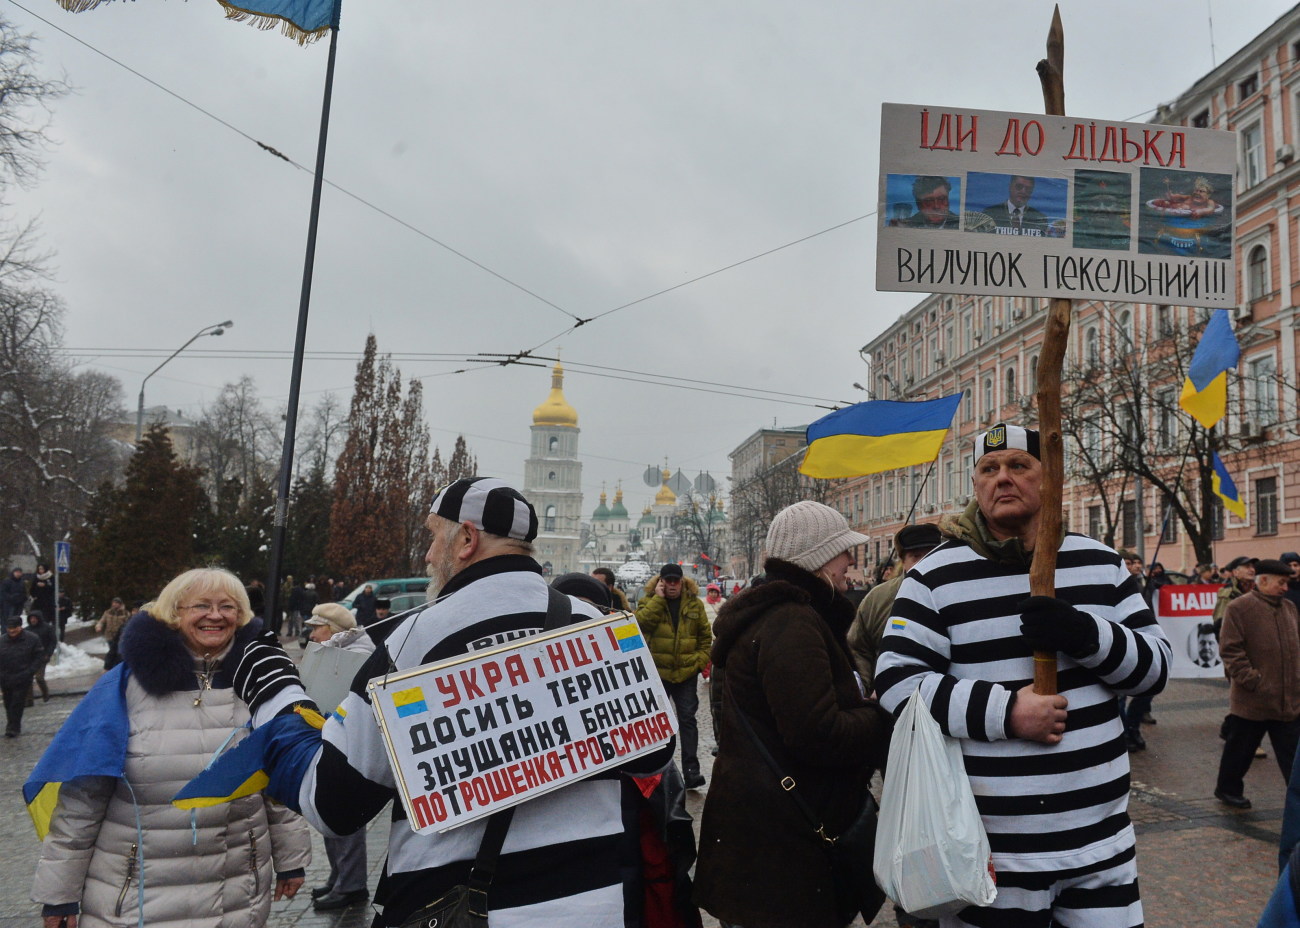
1050, 773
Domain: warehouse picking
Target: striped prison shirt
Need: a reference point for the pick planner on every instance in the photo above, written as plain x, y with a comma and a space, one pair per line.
570, 856
954, 632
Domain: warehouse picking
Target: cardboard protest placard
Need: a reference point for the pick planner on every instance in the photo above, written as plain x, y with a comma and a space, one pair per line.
1019, 204
327, 673
1186, 613
469, 736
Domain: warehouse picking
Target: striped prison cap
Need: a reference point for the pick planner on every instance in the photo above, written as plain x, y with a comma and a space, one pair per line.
490, 505
1003, 437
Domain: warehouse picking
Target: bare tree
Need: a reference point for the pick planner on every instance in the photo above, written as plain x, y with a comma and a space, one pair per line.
756, 501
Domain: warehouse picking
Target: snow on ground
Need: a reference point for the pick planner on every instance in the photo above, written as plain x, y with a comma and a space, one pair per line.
73, 660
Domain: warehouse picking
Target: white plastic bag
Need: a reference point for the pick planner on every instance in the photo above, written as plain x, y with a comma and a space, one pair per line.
932, 853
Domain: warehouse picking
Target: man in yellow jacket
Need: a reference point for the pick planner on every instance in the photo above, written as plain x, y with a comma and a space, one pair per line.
676, 629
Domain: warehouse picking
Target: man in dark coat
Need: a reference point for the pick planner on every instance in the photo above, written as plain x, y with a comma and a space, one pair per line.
43, 630
13, 594
1260, 646
20, 654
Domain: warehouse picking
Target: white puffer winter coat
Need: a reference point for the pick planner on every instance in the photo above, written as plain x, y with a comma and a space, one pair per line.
212, 868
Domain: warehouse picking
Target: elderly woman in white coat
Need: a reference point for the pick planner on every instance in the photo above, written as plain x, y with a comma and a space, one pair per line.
117, 851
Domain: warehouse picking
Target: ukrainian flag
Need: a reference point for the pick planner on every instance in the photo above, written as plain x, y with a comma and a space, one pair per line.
1225, 489
410, 702
1205, 391
878, 435
91, 743
628, 637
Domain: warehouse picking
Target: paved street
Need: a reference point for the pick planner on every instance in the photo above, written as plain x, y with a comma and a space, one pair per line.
1201, 865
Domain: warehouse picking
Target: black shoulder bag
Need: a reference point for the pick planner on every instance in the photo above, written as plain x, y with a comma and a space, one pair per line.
852, 852
466, 904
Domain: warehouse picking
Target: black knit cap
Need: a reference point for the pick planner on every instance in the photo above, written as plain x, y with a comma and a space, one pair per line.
490, 505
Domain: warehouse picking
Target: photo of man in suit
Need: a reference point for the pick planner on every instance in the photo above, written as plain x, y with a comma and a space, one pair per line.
1014, 215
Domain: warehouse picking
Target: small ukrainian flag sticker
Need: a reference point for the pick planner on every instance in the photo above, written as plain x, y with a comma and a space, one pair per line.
629, 638
410, 702
898, 623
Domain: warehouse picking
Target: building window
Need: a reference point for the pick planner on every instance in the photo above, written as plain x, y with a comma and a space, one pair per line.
1128, 523
967, 405
1263, 390
550, 519
1252, 154
1091, 347
1201, 120
553, 444
1168, 523
1164, 321
949, 481
1257, 273
1033, 374
1011, 385
1248, 87
1095, 525
1124, 333
1266, 506
1166, 420
988, 396
1216, 519
877, 511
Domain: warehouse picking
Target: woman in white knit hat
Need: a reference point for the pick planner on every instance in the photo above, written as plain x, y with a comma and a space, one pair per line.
788, 675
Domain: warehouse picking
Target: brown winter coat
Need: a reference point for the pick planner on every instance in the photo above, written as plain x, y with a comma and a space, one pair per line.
1260, 646
786, 666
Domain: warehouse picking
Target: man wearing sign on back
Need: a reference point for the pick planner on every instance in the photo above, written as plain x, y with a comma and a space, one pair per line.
567, 853
1050, 773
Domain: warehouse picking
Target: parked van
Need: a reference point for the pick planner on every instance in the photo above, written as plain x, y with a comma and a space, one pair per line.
404, 592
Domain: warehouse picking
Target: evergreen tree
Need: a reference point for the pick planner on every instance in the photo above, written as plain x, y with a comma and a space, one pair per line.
140, 536
308, 528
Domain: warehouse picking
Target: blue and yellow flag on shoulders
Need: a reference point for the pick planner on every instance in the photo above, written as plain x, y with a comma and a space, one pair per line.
1223, 486
301, 20
1205, 391
92, 742
878, 435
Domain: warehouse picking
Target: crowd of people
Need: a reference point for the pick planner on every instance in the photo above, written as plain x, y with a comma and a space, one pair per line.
804, 682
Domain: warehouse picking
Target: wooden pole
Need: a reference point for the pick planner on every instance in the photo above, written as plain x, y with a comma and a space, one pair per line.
1042, 573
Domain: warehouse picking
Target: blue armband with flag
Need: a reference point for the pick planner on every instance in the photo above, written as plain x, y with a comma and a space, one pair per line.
274, 759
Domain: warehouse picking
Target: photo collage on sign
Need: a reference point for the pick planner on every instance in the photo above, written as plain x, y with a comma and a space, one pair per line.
1171, 212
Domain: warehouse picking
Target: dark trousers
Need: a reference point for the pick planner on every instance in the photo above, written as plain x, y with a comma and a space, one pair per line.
686, 700
1242, 738
1137, 708
347, 857
15, 697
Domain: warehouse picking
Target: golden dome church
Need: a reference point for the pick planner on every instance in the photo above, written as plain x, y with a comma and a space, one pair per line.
553, 480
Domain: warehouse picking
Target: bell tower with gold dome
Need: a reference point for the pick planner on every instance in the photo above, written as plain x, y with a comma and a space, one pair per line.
553, 479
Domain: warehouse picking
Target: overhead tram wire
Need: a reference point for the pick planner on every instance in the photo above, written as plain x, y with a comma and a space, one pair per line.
479, 364
302, 167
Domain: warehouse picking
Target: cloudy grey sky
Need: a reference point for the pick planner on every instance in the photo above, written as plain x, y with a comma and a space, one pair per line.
593, 153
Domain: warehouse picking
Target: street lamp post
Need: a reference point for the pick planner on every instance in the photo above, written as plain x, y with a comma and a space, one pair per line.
218, 329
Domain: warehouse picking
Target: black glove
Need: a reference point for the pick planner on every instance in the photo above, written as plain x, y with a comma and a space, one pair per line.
1050, 624
264, 670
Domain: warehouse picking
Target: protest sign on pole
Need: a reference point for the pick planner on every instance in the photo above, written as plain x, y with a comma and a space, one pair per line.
1186, 613
475, 734
1021, 204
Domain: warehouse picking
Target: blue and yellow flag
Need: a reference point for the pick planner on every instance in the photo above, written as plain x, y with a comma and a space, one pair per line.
877, 435
301, 20
1205, 391
1225, 489
92, 742
274, 758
